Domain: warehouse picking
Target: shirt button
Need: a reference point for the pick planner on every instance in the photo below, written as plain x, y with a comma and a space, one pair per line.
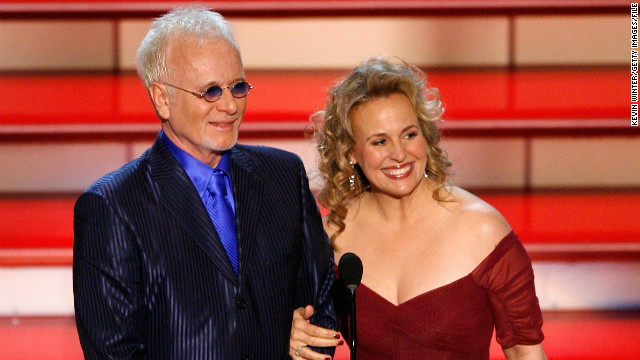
241, 304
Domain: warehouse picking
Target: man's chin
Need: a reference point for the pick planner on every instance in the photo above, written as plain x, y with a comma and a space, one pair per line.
220, 147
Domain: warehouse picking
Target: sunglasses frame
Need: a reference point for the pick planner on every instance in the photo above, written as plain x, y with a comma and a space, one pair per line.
203, 95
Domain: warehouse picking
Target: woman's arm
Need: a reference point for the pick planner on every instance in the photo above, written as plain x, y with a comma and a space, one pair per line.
525, 352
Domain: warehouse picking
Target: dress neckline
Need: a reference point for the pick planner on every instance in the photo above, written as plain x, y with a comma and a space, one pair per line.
416, 298
442, 287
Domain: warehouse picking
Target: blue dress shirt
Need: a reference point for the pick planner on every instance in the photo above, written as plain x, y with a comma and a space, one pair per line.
200, 173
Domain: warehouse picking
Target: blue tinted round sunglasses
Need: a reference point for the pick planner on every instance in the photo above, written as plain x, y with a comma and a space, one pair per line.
213, 93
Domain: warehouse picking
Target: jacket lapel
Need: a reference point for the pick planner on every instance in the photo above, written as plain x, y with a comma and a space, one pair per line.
248, 194
178, 195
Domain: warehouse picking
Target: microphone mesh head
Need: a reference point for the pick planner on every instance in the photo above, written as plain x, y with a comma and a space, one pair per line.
350, 269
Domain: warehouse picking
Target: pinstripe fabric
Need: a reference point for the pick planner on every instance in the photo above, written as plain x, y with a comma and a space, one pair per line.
149, 282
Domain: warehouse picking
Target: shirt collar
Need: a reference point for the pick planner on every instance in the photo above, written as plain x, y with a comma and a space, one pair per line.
198, 172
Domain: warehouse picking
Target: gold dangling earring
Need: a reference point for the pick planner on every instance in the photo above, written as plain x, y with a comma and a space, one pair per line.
352, 178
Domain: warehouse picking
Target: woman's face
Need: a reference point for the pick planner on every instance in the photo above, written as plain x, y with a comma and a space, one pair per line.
389, 146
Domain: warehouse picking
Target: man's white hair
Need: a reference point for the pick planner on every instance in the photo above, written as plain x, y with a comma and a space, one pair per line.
187, 23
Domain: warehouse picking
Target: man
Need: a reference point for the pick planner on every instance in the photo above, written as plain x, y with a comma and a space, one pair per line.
200, 248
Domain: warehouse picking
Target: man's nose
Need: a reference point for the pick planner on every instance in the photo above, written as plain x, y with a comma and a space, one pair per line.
227, 103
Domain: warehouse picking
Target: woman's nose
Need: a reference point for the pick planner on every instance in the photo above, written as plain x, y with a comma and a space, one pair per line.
397, 153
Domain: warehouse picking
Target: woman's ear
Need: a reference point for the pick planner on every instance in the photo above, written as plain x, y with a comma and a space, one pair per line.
160, 98
351, 158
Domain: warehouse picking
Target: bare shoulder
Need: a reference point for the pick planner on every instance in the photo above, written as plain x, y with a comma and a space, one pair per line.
478, 221
352, 226
329, 227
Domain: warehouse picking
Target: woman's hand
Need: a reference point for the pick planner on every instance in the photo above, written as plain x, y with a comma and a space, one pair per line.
304, 334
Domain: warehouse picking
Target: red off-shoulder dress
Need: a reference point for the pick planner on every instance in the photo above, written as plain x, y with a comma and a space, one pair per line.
456, 321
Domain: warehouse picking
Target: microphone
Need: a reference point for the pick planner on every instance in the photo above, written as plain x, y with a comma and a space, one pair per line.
350, 270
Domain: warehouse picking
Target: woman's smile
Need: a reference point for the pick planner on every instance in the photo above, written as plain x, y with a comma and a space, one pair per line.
400, 171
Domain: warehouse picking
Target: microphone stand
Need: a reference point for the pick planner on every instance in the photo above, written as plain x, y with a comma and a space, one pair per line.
350, 269
352, 320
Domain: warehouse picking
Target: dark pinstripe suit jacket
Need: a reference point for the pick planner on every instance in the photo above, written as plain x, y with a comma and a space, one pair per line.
152, 280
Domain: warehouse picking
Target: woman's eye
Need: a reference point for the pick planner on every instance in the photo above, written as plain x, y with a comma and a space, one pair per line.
412, 134
379, 142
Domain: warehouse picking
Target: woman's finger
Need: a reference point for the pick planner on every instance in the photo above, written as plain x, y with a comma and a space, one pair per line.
307, 353
309, 334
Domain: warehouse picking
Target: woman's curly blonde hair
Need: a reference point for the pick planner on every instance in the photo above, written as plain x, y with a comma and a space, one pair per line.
378, 77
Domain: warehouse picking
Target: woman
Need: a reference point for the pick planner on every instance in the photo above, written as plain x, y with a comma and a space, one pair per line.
441, 266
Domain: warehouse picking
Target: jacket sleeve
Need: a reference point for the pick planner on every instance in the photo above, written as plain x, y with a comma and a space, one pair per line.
317, 272
109, 309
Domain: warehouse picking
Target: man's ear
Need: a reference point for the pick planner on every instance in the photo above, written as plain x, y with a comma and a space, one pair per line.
160, 98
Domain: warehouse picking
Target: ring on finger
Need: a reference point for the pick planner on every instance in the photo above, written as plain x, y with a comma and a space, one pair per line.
298, 351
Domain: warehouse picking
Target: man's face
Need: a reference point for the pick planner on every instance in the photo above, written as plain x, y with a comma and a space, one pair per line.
201, 128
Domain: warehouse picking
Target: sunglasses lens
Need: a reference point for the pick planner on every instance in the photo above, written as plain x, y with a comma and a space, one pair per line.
240, 89
213, 93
